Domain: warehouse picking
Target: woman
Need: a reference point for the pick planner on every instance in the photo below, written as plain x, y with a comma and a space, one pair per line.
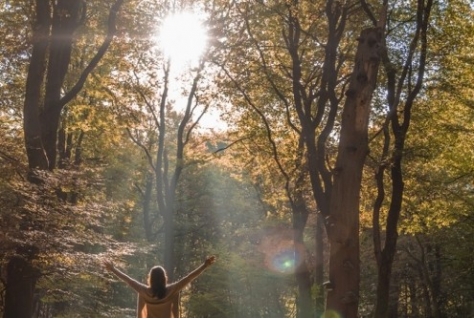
159, 299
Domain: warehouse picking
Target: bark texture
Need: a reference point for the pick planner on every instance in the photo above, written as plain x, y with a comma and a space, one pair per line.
343, 221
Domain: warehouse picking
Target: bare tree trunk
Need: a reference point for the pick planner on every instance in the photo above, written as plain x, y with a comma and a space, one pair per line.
436, 268
169, 263
394, 296
304, 305
36, 72
399, 119
147, 221
319, 269
67, 17
415, 312
426, 294
343, 221
20, 285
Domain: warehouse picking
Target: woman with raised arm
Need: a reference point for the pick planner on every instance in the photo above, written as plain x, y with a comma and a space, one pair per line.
159, 299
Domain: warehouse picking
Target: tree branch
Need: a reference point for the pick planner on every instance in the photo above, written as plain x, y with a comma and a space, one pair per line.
95, 60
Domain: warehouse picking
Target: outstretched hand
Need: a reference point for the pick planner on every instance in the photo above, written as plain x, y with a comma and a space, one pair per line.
108, 265
210, 260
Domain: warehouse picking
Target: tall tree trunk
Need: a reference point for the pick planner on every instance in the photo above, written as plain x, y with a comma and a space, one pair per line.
182, 138
169, 243
64, 147
147, 221
67, 16
394, 298
55, 23
436, 269
304, 306
399, 119
413, 300
385, 262
319, 269
20, 285
34, 82
343, 222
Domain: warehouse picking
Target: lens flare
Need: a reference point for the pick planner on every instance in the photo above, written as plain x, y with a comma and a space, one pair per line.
285, 261
281, 253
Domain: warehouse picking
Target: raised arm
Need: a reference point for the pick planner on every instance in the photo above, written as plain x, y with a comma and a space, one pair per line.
195, 273
134, 284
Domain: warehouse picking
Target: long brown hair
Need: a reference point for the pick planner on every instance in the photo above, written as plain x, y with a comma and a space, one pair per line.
157, 279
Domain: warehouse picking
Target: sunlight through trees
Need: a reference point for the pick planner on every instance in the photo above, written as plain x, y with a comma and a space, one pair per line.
322, 150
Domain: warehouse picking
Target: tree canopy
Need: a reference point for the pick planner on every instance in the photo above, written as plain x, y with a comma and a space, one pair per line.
322, 150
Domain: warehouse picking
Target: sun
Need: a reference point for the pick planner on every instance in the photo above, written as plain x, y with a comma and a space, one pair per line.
183, 38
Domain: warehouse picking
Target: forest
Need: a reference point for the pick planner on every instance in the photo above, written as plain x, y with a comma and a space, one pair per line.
322, 150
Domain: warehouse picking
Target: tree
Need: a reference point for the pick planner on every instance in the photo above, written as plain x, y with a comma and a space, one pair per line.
343, 220
53, 38
54, 25
292, 82
169, 126
304, 70
409, 84
436, 195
